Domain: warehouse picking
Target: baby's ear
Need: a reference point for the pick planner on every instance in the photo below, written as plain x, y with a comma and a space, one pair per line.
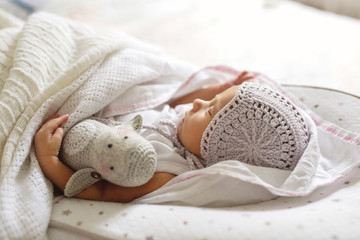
136, 122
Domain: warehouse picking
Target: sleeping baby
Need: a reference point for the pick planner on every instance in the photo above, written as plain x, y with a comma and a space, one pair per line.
236, 120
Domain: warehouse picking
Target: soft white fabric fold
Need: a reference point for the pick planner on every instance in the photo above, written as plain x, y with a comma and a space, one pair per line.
48, 65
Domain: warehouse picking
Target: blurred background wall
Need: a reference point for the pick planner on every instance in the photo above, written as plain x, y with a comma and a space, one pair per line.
346, 7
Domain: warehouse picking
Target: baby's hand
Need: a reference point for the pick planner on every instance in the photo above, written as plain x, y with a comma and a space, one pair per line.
244, 76
48, 138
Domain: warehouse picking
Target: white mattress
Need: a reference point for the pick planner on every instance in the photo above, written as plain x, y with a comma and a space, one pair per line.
328, 213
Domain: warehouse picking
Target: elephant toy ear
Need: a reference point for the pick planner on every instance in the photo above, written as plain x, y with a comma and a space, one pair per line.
134, 124
80, 180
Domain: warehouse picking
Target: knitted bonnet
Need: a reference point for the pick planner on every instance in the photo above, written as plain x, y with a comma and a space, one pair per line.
258, 126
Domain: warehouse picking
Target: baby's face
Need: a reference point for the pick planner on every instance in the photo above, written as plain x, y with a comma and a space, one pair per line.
198, 118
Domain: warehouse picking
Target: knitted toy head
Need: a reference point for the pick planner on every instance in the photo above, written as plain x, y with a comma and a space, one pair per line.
117, 154
258, 126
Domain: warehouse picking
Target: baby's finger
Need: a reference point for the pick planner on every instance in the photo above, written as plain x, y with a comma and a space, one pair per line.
58, 134
248, 77
55, 116
243, 73
54, 123
241, 78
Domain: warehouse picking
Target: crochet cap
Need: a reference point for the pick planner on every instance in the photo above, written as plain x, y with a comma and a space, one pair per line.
258, 126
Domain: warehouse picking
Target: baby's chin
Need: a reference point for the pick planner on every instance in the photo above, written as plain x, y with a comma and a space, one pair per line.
179, 134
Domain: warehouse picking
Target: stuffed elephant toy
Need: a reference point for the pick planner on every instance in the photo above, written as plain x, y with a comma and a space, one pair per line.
117, 154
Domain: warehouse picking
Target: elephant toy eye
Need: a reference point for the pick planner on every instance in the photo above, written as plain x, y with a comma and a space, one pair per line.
126, 137
111, 168
109, 145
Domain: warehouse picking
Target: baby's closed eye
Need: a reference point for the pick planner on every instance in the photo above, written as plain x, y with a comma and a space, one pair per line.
210, 111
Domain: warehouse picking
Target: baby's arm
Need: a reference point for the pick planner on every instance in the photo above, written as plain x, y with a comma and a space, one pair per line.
210, 92
47, 144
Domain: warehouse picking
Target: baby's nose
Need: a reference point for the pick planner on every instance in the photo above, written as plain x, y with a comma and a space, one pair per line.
197, 103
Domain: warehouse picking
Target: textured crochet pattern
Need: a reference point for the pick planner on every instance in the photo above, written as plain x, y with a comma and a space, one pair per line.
258, 126
117, 154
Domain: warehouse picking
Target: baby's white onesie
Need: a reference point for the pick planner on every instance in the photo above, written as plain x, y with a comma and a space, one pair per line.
168, 160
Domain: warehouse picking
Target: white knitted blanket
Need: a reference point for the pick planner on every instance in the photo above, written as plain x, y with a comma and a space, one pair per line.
47, 64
